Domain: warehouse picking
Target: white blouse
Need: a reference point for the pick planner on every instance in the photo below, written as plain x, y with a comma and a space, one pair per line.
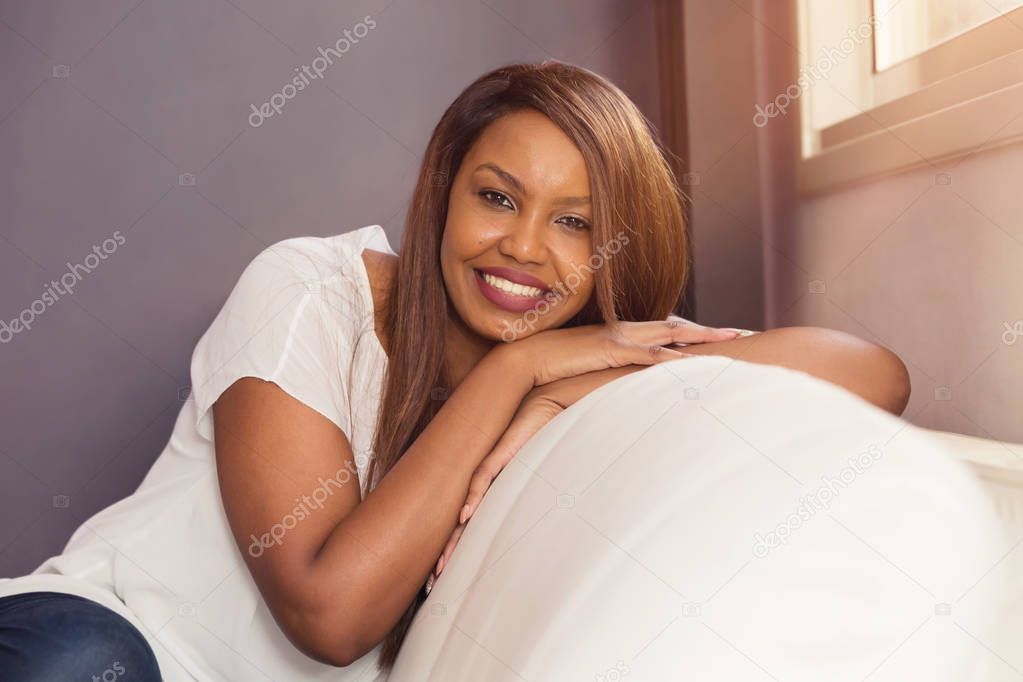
301, 316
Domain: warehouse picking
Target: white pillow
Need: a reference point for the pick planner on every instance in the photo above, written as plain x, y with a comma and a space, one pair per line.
999, 465
638, 536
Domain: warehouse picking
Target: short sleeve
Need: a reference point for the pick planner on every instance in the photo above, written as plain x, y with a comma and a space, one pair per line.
292, 318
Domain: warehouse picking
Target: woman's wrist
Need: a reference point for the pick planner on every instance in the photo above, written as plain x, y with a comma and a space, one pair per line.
566, 392
514, 364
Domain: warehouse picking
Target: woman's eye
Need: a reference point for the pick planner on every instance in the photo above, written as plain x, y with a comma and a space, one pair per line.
496, 198
577, 223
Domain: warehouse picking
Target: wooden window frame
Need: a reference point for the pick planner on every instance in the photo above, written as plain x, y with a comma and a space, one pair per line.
957, 98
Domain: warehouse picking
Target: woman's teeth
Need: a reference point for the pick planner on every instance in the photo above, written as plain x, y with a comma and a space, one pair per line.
511, 287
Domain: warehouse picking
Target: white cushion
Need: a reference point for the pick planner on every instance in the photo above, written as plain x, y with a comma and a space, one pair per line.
999, 465
637, 537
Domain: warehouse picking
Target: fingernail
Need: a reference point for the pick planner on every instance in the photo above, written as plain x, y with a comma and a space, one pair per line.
464, 516
440, 565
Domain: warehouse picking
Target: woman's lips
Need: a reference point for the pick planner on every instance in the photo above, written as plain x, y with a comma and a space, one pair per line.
504, 300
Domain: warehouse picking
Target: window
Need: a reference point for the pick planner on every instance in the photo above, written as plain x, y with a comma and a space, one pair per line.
915, 26
893, 84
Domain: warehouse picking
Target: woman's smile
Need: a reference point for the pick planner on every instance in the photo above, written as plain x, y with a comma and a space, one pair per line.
507, 293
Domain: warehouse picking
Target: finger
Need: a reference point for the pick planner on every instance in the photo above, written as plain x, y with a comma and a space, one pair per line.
708, 334
478, 486
662, 354
652, 354
686, 331
675, 330
452, 543
488, 470
449, 548
439, 566
527, 421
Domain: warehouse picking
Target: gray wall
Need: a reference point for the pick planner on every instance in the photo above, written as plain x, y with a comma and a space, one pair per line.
724, 167
129, 121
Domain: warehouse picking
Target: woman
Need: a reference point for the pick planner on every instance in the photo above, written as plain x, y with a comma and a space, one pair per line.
351, 406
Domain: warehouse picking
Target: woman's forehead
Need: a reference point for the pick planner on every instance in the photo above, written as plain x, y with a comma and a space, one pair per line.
528, 149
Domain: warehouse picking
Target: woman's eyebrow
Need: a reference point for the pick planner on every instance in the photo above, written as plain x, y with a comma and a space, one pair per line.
517, 184
504, 175
571, 201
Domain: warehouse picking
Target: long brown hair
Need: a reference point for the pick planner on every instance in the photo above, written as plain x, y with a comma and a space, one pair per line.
633, 190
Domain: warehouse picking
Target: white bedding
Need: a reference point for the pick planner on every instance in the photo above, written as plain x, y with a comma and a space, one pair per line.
999, 466
632, 539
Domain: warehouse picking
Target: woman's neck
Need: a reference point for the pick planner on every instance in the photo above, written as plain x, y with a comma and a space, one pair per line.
465, 348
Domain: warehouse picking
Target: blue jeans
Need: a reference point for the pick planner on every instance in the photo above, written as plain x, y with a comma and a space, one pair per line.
54, 637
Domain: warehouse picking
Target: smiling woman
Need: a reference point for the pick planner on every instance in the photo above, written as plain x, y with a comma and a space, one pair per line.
351, 405
548, 201
559, 227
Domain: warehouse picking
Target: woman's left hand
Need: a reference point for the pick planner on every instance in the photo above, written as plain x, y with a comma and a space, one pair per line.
539, 406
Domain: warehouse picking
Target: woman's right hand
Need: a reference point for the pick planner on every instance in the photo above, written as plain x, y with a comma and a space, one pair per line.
561, 353
557, 358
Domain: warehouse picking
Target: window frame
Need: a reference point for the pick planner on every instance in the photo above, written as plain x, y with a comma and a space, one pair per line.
955, 99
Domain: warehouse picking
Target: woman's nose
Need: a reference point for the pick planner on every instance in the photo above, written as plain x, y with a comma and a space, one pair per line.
525, 241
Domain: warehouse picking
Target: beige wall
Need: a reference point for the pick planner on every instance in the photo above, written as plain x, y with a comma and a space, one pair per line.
933, 271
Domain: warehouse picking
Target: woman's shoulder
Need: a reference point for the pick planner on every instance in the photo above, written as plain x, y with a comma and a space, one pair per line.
303, 284
381, 268
322, 259
294, 317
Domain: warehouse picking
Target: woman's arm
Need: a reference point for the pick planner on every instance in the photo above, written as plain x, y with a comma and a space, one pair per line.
872, 372
338, 578
340, 575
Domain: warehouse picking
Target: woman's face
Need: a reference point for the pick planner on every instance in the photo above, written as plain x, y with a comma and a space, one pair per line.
517, 238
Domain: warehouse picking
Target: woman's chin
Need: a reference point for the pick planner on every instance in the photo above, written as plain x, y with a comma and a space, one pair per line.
517, 328
492, 322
